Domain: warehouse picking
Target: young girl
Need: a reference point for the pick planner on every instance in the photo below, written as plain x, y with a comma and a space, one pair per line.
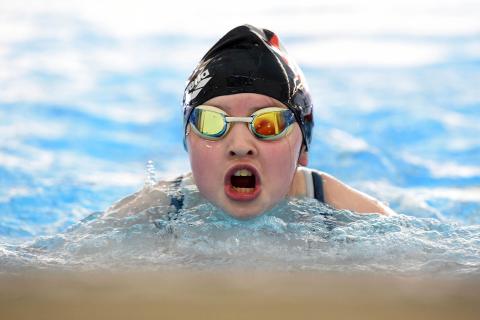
248, 128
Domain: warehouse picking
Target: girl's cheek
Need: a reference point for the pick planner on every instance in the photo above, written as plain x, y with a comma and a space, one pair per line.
204, 155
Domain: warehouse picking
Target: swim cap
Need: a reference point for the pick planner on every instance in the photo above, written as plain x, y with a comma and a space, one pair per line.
250, 60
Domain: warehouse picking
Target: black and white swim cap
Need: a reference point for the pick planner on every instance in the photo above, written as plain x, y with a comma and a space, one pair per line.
250, 60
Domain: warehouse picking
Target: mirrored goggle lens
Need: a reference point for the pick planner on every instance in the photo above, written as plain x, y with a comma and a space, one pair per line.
273, 123
208, 122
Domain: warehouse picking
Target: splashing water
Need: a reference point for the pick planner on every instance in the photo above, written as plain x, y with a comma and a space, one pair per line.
299, 234
150, 174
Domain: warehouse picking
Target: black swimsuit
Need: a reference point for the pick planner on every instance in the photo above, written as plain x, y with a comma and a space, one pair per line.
176, 201
318, 186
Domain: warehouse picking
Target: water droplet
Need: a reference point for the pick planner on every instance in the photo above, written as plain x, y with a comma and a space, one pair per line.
150, 175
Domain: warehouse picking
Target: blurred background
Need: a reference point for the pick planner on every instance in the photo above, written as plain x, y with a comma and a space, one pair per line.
92, 90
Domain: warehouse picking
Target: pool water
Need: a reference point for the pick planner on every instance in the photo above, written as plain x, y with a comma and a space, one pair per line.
84, 108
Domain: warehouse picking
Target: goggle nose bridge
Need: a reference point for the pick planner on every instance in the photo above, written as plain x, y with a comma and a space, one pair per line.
239, 119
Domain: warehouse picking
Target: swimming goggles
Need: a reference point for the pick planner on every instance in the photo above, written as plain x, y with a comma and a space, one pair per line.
213, 123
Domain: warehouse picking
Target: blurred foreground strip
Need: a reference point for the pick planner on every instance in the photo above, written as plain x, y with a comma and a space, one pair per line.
235, 295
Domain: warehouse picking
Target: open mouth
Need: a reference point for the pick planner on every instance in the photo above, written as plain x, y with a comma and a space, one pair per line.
242, 183
243, 180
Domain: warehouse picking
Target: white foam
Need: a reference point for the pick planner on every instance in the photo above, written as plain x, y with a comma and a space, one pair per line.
36, 161
60, 164
138, 112
173, 168
456, 120
213, 17
470, 194
141, 17
344, 141
340, 34
461, 144
366, 52
114, 179
444, 169
7, 194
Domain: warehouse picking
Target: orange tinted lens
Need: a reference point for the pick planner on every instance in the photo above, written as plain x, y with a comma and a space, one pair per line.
269, 124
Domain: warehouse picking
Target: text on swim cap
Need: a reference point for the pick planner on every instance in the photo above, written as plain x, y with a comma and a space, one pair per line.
196, 86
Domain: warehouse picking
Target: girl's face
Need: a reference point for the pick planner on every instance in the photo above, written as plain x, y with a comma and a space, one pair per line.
240, 174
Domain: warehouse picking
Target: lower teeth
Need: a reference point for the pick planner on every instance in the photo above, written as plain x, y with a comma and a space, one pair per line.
243, 190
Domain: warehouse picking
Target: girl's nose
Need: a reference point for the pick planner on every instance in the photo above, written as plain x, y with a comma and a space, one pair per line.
241, 141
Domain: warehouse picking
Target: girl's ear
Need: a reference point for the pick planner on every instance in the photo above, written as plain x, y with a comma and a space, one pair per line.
303, 158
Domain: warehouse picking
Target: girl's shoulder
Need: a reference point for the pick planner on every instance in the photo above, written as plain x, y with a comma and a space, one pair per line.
162, 193
330, 190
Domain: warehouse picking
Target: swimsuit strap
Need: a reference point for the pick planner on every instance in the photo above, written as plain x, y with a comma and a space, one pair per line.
313, 184
318, 186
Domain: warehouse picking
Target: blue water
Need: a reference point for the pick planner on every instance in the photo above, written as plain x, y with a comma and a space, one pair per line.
81, 113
